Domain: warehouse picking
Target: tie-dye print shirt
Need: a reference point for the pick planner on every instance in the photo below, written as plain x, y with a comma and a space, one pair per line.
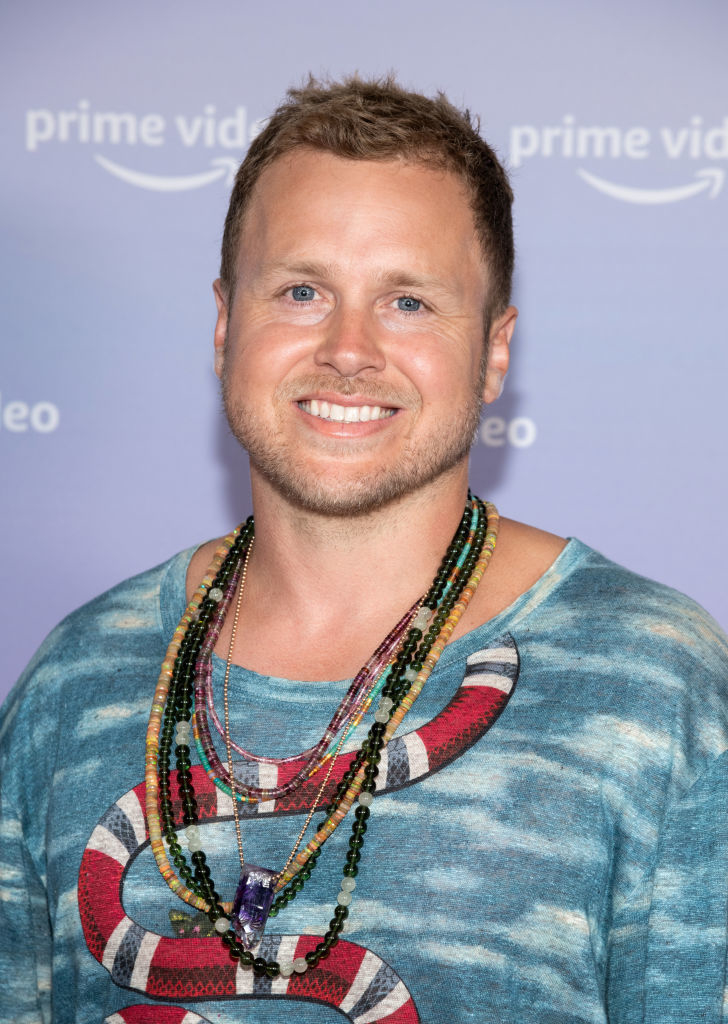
563, 861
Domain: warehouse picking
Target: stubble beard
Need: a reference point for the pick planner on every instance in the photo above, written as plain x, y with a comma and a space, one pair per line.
358, 494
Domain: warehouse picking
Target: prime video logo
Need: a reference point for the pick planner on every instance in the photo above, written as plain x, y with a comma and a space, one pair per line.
204, 131
569, 140
210, 130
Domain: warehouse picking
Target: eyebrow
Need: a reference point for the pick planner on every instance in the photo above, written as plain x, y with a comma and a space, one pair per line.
298, 269
392, 278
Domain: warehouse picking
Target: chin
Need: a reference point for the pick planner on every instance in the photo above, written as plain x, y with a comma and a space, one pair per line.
353, 494
352, 488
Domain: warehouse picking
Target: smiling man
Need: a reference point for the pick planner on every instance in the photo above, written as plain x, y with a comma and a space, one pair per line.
403, 760
378, 350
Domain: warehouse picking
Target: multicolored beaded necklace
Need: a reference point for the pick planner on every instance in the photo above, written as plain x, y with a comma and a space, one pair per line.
398, 669
345, 718
349, 713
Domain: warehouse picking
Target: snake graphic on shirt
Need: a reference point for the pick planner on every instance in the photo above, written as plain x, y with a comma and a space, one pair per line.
193, 965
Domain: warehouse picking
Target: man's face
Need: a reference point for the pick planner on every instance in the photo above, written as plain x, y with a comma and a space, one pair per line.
351, 357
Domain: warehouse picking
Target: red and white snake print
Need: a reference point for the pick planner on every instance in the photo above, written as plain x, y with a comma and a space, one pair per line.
352, 979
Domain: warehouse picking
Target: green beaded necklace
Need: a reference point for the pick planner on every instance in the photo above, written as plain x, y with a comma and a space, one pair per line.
172, 709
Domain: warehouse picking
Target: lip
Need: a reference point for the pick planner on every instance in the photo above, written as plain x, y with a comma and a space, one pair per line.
338, 399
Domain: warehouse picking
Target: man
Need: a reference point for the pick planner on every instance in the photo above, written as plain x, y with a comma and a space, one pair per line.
536, 808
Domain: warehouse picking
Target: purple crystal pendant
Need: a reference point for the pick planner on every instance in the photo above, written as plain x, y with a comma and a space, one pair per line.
253, 900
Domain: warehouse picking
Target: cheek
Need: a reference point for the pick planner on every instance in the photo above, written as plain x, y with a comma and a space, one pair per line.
443, 371
260, 342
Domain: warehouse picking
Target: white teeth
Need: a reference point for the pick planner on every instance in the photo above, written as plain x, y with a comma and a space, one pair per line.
345, 413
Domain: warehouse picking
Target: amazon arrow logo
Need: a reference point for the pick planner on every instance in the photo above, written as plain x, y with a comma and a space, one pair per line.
710, 180
222, 167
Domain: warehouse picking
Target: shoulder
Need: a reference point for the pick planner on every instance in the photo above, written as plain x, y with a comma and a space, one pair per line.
628, 670
103, 636
575, 605
79, 709
617, 604
646, 665
579, 592
630, 626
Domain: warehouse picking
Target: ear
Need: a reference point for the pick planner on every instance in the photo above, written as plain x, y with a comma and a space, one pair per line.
499, 341
221, 326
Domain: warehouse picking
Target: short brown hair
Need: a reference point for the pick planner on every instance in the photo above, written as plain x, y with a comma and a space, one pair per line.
376, 119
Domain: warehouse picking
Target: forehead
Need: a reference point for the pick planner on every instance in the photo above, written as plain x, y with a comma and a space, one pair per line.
315, 199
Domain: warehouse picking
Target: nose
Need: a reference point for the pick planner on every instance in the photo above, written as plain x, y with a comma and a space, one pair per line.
350, 344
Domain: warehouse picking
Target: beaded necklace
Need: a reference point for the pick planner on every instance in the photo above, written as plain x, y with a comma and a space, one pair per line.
353, 703
169, 723
346, 716
221, 593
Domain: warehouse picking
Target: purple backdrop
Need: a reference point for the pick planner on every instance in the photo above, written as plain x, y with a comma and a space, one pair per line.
121, 127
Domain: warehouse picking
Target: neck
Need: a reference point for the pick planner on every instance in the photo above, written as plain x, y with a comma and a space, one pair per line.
329, 589
326, 558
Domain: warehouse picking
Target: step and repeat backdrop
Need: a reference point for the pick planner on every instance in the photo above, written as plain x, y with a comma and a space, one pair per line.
122, 127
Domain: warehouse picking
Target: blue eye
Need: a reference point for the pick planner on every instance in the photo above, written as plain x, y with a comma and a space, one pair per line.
408, 304
302, 293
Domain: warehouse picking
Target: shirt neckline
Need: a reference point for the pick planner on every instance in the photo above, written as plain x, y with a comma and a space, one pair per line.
173, 602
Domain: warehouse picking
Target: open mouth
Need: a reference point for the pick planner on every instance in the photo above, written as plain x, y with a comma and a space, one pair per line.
345, 413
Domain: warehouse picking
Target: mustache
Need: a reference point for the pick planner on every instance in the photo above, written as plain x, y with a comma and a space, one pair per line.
380, 393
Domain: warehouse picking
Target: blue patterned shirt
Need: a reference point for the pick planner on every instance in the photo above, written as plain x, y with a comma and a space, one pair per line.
548, 842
